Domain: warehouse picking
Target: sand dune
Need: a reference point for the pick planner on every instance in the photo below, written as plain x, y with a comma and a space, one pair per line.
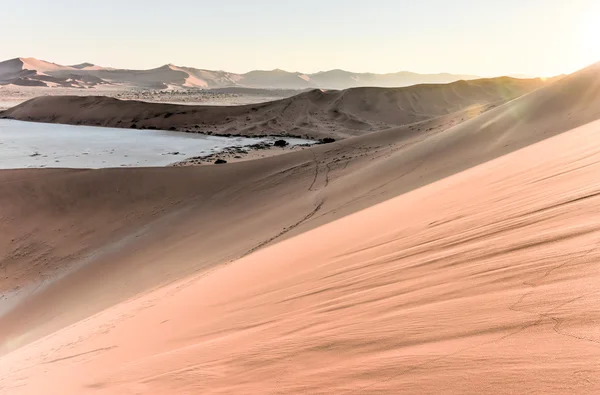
138, 218
41, 65
87, 75
33, 72
480, 282
315, 114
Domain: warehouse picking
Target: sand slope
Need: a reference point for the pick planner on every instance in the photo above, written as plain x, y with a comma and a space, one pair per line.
392, 289
482, 282
315, 114
145, 227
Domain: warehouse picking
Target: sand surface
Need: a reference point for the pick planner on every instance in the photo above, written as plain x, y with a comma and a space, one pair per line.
485, 281
11, 95
195, 218
454, 255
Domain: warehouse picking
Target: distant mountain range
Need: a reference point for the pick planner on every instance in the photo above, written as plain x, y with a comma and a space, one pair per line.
34, 72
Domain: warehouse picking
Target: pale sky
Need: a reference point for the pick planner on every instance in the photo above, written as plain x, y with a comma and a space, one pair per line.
482, 37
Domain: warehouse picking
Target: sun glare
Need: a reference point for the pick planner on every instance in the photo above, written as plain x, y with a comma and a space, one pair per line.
591, 34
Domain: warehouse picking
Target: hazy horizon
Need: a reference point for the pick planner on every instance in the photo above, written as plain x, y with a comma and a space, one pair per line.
267, 70
540, 38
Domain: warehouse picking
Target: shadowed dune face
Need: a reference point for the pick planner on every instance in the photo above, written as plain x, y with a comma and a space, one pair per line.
481, 282
314, 114
116, 202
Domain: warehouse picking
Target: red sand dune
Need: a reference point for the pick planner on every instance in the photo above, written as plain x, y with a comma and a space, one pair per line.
482, 282
457, 258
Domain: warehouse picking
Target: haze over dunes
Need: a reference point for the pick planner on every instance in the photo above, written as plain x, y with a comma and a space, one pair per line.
454, 255
315, 114
34, 72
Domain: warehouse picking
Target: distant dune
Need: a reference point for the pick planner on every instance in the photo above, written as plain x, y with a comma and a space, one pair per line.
458, 255
314, 114
34, 72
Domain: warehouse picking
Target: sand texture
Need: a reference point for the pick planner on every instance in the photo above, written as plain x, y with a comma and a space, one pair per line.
485, 281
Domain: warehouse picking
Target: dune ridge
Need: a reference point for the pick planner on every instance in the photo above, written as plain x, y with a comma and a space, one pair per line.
31, 72
313, 114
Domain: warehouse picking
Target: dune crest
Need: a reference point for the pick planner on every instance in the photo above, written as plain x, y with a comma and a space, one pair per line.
315, 114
